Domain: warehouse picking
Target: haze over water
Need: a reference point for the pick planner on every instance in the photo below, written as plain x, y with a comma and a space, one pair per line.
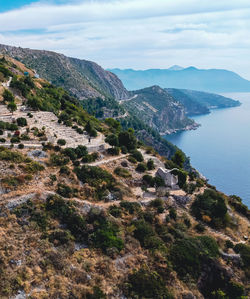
220, 148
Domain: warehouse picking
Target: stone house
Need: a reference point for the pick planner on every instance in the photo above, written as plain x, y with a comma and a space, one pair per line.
170, 179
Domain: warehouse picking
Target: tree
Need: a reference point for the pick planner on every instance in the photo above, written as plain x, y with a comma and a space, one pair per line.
112, 140
179, 158
8, 96
150, 164
12, 107
127, 138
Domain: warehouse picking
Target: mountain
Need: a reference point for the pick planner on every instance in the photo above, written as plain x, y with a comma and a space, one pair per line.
75, 209
212, 80
158, 109
175, 68
84, 79
197, 102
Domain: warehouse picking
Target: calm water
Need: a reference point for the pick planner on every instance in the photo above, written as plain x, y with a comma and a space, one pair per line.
220, 148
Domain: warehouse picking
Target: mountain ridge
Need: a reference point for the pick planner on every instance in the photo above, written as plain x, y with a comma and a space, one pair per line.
83, 78
211, 80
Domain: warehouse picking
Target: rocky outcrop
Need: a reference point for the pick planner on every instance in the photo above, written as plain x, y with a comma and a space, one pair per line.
84, 79
158, 109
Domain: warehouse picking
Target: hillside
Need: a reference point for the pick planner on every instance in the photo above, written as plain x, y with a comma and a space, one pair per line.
158, 109
211, 80
81, 199
71, 214
84, 79
197, 102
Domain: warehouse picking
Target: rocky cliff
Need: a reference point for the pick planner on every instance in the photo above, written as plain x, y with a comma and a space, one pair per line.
158, 109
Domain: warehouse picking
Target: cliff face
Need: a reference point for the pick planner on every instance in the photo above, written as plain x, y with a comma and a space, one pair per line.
84, 79
159, 110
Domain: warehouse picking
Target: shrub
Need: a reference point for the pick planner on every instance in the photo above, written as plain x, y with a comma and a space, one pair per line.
141, 167
187, 255
105, 238
137, 155
148, 180
14, 139
33, 167
150, 164
67, 214
114, 151
131, 207
124, 149
21, 121
58, 160
96, 177
66, 191
65, 170
122, 172
60, 237
212, 204
172, 213
81, 151
2, 140
70, 152
127, 139
61, 142
132, 160
145, 283
178, 158
115, 211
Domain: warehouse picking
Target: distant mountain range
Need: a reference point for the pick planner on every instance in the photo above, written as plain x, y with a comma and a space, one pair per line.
211, 80
199, 102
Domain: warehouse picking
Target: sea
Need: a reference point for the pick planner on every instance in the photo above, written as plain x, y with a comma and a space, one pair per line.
220, 147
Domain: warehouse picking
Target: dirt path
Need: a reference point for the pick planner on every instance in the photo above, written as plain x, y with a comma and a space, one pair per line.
104, 161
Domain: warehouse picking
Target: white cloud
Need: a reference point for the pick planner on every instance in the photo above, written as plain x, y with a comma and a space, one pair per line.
138, 33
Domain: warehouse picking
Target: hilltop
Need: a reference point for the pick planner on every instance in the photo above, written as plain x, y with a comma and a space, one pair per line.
82, 199
211, 80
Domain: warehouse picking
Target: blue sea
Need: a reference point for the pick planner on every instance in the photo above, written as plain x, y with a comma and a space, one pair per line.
220, 148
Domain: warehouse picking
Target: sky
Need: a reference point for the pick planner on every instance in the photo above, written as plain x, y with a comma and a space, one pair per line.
138, 34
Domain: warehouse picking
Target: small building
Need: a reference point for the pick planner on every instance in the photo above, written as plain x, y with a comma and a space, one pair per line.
170, 179
26, 74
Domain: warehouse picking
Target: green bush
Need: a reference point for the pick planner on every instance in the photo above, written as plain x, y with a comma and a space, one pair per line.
61, 142
178, 158
145, 283
137, 155
58, 160
141, 167
150, 164
127, 139
148, 180
122, 172
96, 177
187, 255
115, 211
21, 121
14, 139
114, 151
66, 191
211, 204
67, 214
60, 237
131, 207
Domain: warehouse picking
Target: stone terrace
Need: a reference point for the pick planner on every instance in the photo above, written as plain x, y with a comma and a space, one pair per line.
53, 129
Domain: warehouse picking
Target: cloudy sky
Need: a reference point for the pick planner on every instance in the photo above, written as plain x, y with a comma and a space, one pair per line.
137, 34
